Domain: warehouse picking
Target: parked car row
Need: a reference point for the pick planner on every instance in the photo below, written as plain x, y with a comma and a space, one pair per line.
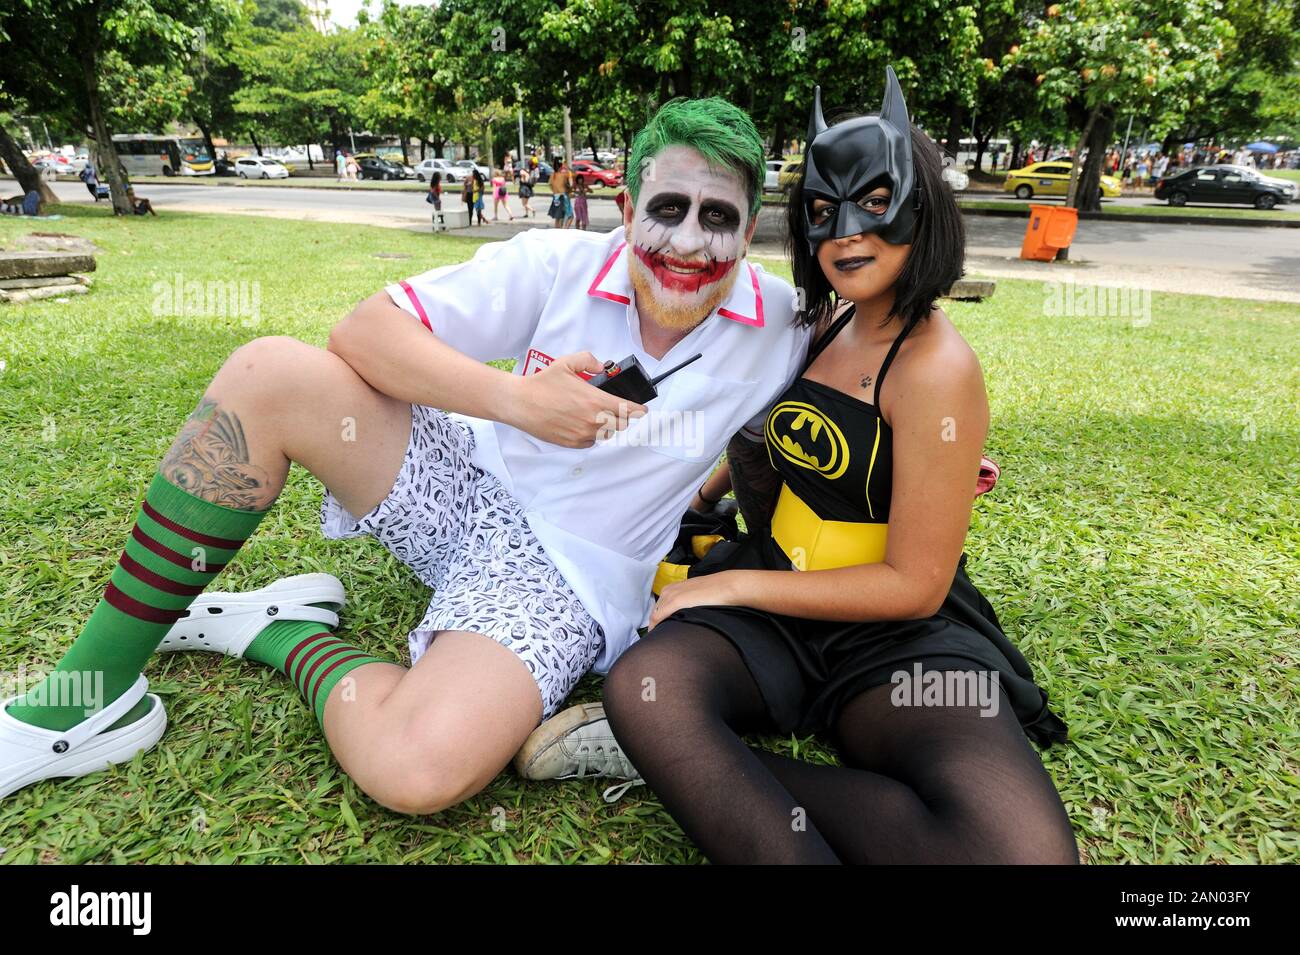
255, 167
1225, 183
51, 165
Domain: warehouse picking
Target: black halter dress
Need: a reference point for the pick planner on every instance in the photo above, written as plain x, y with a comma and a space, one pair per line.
807, 670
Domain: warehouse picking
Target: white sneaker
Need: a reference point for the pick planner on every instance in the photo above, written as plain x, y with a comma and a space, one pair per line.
577, 744
29, 754
228, 622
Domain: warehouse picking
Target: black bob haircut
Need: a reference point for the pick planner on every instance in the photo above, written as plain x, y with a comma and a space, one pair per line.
934, 263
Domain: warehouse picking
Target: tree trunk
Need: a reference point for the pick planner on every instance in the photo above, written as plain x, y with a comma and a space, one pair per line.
26, 174
110, 168
406, 161
1072, 191
207, 139
1090, 177
256, 145
778, 138
954, 128
439, 144
981, 144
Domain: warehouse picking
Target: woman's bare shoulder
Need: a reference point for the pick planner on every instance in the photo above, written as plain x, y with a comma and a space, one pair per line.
936, 357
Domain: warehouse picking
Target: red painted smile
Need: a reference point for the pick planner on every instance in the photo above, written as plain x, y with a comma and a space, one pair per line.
681, 276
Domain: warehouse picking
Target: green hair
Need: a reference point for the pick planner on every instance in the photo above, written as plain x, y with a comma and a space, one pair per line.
720, 132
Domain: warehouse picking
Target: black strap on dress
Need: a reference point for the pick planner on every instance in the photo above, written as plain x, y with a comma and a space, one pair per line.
821, 344
889, 360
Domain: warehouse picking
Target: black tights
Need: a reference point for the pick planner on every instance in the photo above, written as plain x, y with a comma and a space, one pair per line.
920, 784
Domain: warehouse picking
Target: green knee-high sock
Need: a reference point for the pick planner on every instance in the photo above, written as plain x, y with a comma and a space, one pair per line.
179, 544
309, 655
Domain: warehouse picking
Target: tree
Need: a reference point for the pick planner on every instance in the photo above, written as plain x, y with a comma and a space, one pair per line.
1090, 57
67, 56
302, 86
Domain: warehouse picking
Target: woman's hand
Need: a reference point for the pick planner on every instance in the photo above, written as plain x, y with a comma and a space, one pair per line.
726, 588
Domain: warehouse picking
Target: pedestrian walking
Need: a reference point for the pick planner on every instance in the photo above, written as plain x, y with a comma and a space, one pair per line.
580, 203
526, 179
499, 196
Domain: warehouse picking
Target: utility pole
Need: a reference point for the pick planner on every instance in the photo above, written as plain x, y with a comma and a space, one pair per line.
1124, 151
568, 126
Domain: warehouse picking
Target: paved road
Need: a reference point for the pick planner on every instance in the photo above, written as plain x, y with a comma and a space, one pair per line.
1220, 260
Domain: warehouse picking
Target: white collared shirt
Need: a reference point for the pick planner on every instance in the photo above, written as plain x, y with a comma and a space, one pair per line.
606, 515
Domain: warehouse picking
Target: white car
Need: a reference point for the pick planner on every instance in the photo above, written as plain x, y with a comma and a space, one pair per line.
260, 167
425, 170
467, 167
771, 182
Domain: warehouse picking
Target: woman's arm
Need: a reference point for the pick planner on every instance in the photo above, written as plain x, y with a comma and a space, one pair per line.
755, 482
714, 489
939, 422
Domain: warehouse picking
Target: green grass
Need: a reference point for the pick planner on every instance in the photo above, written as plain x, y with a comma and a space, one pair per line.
1141, 548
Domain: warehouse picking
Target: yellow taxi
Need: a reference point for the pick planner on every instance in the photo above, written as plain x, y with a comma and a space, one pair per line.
789, 173
1051, 179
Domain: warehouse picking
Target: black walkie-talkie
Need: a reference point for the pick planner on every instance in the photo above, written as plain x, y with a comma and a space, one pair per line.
627, 379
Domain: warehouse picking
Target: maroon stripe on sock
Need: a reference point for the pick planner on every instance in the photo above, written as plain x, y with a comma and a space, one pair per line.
306, 680
157, 581
316, 688
288, 663
224, 543
166, 553
141, 611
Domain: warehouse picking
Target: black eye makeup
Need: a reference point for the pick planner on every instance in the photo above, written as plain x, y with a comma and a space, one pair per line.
720, 216
671, 208
668, 208
877, 204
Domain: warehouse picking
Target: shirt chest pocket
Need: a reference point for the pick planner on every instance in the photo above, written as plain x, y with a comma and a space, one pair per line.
694, 416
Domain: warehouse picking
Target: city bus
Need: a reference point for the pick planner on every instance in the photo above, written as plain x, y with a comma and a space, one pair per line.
141, 154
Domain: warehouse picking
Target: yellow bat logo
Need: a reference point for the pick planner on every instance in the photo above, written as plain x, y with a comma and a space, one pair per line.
794, 424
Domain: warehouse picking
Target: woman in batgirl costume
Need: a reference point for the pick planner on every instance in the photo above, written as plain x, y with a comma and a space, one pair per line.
846, 609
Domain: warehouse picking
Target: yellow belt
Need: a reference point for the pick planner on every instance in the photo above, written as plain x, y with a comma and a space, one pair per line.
814, 544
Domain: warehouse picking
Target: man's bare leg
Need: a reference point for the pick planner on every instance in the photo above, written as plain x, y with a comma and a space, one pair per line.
415, 740
277, 400
424, 739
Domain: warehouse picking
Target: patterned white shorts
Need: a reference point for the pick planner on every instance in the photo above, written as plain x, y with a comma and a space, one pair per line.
465, 536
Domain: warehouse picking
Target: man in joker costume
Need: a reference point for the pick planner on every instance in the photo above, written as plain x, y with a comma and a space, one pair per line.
533, 503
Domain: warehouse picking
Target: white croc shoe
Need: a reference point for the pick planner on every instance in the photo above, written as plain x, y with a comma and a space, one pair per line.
227, 623
29, 754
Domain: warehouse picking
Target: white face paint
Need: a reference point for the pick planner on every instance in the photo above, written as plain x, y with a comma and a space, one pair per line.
688, 235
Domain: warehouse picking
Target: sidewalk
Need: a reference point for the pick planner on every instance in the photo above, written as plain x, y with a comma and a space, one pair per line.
988, 258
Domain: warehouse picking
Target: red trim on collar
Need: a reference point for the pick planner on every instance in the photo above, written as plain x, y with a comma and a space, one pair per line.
419, 309
757, 320
604, 270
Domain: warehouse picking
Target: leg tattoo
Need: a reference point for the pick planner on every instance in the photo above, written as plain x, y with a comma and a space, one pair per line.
210, 460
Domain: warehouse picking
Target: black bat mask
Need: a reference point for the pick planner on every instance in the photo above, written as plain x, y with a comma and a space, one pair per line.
847, 160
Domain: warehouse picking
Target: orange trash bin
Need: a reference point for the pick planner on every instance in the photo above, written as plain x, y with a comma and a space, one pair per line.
1050, 228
